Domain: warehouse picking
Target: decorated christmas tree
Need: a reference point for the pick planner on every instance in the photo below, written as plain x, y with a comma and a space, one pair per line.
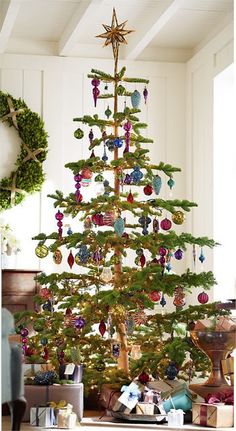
110, 307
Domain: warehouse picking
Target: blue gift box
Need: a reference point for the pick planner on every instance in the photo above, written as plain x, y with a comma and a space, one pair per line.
180, 400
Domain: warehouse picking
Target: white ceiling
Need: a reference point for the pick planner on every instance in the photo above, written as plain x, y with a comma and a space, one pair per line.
165, 30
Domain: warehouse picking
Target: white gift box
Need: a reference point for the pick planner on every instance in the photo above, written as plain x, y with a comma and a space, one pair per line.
145, 409
128, 399
66, 419
42, 416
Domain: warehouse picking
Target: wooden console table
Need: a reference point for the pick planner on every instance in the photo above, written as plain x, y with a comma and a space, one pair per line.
18, 289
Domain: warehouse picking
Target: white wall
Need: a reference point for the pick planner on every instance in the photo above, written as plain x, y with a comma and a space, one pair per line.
58, 89
201, 70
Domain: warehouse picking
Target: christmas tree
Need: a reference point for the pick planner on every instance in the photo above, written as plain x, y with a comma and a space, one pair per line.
104, 311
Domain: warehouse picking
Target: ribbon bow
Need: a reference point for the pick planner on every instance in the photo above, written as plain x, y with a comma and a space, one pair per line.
132, 391
61, 404
151, 396
226, 397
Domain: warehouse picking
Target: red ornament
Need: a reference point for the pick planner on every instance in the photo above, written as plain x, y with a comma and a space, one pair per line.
70, 260
203, 298
143, 378
108, 218
155, 296
86, 173
148, 190
102, 327
45, 293
142, 260
166, 224
130, 198
68, 311
155, 261
46, 354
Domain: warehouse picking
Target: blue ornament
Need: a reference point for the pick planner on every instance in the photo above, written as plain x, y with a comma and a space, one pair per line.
156, 183
104, 157
171, 183
110, 144
202, 257
47, 306
130, 325
83, 254
135, 99
118, 142
119, 226
136, 175
168, 266
44, 341
171, 371
163, 301
69, 231
79, 322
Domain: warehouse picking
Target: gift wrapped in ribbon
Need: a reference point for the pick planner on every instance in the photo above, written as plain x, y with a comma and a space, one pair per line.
41, 416
217, 411
227, 366
66, 418
181, 400
166, 387
129, 398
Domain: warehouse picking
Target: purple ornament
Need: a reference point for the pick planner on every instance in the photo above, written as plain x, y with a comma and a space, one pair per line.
78, 177
79, 322
162, 251
96, 92
127, 126
77, 186
91, 136
127, 179
24, 340
166, 224
178, 254
145, 94
59, 215
24, 332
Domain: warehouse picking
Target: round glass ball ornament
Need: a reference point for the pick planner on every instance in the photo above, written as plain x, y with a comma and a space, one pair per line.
155, 296
79, 322
178, 254
165, 224
41, 251
178, 217
86, 173
203, 298
148, 190
24, 332
78, 134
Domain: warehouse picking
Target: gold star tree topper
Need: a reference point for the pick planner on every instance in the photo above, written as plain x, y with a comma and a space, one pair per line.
115, 34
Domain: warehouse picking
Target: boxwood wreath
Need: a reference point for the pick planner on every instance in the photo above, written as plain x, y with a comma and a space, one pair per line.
28, 176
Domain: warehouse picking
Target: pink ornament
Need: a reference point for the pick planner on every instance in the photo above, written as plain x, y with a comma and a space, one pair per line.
166, 224
45, 293
203, 298
162, 251
95, 82
155, 296
86, 173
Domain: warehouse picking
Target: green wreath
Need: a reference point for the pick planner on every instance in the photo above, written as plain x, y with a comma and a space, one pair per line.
28, 176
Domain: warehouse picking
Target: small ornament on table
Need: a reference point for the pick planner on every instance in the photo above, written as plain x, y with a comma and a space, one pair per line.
95, 83
135, 352
203, 298
135, 99
115, 349
102, 327
70, 260
171, 371
156, 183
145, 94
178, 217
178, 254
166, 224
78, 134
41, 251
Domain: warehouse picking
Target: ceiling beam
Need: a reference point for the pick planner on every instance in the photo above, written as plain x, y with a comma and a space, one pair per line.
80, 17
9, 12
151, 27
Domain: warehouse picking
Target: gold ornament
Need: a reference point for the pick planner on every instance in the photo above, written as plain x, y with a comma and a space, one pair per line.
41, 251
115, 34
57, 256
118, 313
178, 217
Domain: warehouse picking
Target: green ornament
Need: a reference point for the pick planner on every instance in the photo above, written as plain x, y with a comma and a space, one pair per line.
78, 134
41, 251
99, 178
108, 112
39, 325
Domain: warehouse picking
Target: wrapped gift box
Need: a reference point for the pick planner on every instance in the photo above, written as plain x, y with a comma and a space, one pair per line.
180, 400
204, 324
213, 415
225, 324
71, 372
227, 366
42, 416
36, 395
166, 387
66, 418
109, 395
145, 409
129, 398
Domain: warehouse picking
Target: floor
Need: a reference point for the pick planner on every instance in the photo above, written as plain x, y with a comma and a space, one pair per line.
93, 423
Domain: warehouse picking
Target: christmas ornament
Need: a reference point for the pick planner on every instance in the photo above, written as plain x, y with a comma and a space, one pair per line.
108, 218
179, 297
24, 332
87, 223
143, 378
155, 225
171, 371
155, 296
194, 255
201, 257
70, 260
163, 301
178, 217
97, 256
166, 224
78, 134
148, 190
92, 155
130, 325
110, 144
69, 231
95, 83
203, 298
156, 183
106, 274
130, 198
45, 293
82, 255
142, 260
118, 142
178, 254
41, 251
162, 251
135, 352
102, 327
100, 366
144, 221
104, 157
136, 175
127, 179
127, 127
57, 256
48, 306
139, 317
115, 349
107, 188
145, 94
119, 226
44, 341
135, 99
59, 217
86, 173
171, 183
79, 322
108, 112
191, 325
